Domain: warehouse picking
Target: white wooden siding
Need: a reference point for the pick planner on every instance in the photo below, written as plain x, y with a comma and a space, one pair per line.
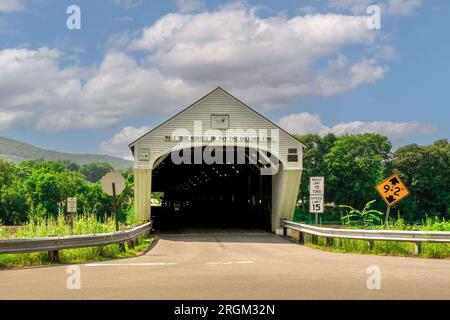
217, 102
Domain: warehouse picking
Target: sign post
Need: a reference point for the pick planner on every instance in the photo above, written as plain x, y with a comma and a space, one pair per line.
392, 190
386, 219
115, 205
71, 208
113, 184
316, 196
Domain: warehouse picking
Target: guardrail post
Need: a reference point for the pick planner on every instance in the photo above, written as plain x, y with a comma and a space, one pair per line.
329, 242
284, 231
301, 237
417, 248
53, 256
315, 239
146, 234
370, 244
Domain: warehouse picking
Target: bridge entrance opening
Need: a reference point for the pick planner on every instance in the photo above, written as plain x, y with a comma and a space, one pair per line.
231, 194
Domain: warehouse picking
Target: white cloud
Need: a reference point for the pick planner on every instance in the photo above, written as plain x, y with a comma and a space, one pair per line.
128, 4
187, 6
118, 144
393, 130
9, 120
119, 40
267, 61
11, 5
23, 70
306, 123
386, 52
64, 98
341, 76
302, 123
390, 7
356, 6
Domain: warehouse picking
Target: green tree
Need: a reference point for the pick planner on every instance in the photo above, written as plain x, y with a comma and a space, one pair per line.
49, 184
7, 173
39, 189
47, 192
426, 171
313, 154
95, 171
71, 166
14, 204
354, 166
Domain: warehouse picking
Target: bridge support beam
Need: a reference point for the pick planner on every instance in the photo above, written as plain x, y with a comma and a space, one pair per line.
285, 186
142, 194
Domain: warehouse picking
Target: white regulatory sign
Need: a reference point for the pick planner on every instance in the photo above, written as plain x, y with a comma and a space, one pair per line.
316, 204
316, 191
72, 205
317, 185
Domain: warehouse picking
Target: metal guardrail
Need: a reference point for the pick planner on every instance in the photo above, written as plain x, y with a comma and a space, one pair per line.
53, 244
416, 237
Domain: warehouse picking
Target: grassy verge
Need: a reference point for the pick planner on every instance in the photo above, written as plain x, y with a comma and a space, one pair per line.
82, 255
429, 250
385, 248
59, 227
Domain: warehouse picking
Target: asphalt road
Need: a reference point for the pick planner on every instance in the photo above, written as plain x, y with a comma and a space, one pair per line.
234, 264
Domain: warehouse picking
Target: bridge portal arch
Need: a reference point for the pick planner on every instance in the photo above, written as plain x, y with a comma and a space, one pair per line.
222, 158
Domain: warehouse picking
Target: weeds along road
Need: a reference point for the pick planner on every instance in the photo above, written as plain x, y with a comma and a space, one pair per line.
234, 264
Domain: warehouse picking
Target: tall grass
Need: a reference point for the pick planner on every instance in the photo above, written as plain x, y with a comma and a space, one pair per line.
85, 224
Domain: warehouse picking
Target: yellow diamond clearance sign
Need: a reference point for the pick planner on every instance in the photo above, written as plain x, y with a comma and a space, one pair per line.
393, 190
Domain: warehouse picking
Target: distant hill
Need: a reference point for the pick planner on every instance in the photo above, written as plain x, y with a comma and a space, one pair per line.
16, 151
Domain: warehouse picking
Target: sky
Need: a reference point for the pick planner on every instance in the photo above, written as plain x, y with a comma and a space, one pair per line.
310, 66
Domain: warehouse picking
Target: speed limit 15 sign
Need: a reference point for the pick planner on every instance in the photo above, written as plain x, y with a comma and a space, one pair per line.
316, 204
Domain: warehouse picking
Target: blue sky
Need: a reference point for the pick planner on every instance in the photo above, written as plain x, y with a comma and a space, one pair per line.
311, 66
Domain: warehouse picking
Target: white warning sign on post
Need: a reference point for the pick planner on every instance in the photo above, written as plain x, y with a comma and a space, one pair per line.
316, 194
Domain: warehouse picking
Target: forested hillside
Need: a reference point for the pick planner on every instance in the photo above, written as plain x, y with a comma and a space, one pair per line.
16, 151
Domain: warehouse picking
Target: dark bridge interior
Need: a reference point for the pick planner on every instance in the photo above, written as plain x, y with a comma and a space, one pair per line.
228, 195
